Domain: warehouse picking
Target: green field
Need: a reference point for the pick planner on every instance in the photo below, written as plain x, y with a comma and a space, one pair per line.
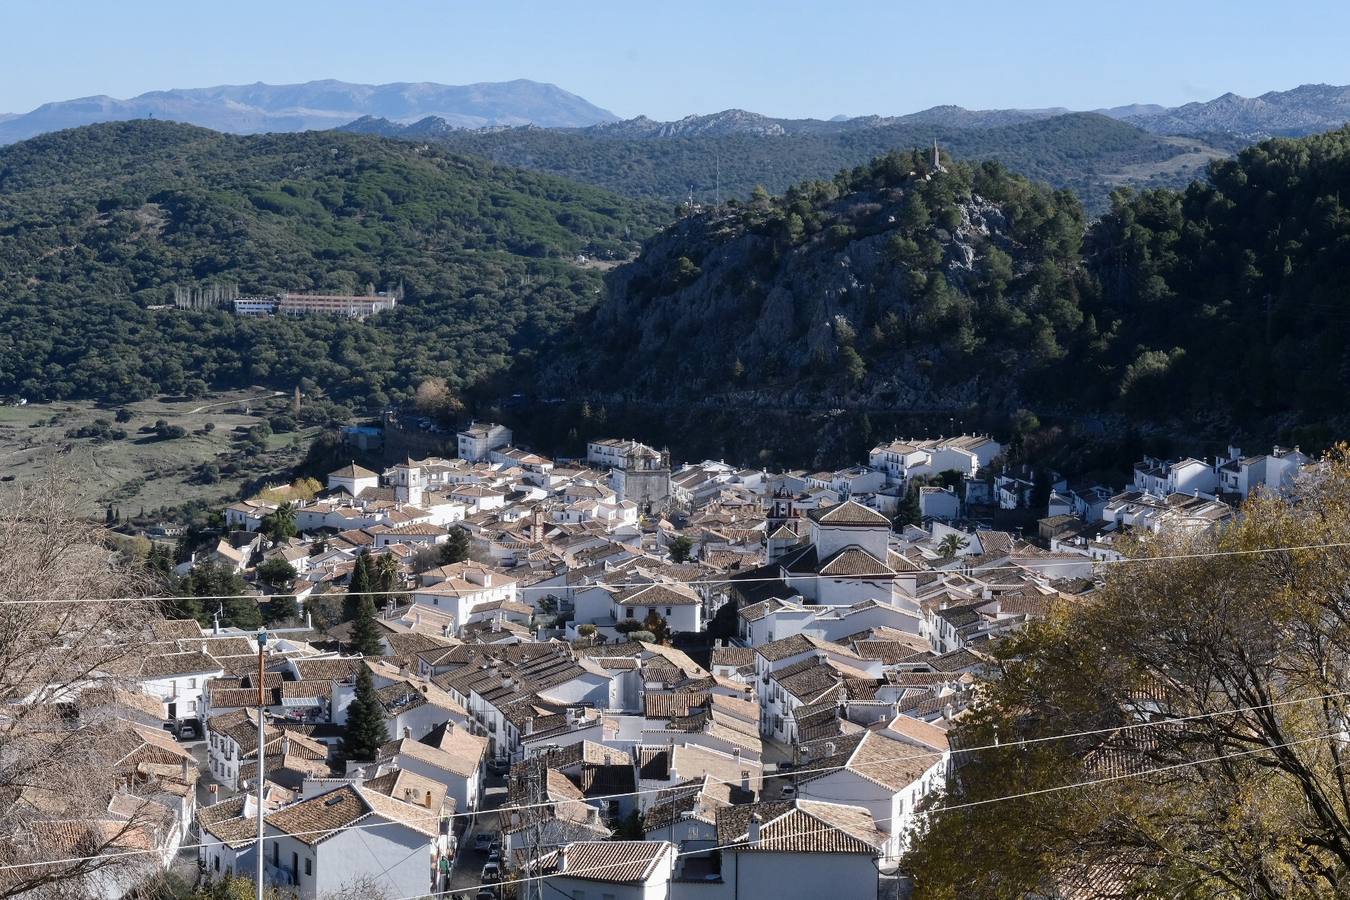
141, 471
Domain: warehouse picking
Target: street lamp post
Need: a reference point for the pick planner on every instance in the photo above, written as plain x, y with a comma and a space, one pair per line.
262, 752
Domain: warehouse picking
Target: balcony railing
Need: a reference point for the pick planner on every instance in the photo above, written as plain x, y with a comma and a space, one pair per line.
279, 875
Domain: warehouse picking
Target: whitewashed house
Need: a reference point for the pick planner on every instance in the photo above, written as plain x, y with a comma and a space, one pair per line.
351, 835
353, 479
479, 438
882, 773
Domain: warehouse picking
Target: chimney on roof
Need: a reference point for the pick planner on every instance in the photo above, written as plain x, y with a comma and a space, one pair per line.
428, 800
753, 835
407, 733
562, 858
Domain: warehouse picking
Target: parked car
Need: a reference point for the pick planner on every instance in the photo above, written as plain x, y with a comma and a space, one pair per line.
495, 856
789, 791
482, 842
485, 894
187, 733
492, 872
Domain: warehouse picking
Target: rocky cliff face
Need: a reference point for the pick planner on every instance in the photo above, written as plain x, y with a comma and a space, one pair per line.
894, 287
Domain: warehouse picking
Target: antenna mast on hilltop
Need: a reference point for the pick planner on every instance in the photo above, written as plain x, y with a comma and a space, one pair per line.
717, 191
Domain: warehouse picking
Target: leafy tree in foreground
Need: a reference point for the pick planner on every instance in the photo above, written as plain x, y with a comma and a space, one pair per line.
1243, 793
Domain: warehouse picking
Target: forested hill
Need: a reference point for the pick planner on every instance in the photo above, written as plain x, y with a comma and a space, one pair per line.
98, 223
895, 288
1089, 153
891, 285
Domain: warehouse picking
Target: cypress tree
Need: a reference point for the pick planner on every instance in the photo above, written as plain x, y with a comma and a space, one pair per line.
361, 583
366, 729
365, 631
456, 549
910, 513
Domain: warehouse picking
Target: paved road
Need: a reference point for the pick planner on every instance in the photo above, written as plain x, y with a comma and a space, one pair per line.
184, 865
466, 874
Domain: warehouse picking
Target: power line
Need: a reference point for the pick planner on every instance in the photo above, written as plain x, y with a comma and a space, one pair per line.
797, 772
746, 843
1032, 564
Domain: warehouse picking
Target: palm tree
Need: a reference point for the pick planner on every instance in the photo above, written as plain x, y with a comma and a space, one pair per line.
952, 544
387, 573
281, 522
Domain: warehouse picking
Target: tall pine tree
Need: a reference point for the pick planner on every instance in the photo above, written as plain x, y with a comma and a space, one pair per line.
365, 630
361, 583
456, 549
366, 729
910, 513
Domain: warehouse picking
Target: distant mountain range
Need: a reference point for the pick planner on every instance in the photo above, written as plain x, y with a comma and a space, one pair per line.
425, 109
1306, 109
728, 154
315, 105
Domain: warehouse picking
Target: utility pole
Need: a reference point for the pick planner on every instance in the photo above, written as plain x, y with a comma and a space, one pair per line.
262, 752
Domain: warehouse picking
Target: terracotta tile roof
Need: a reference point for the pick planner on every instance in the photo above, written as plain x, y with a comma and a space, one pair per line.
314, 820
225, 822
804, 826
331, 669
168, 665
658, 595
221, 646
694, 760
426, 821
665, 706
352, 470
460, 753
849, 513
889, 652
919, 732
810, 681
855, 562
957, 660
173, 629
120, 699
233, 698
621, 862
733, 656
889, 763
785, 647
305, 690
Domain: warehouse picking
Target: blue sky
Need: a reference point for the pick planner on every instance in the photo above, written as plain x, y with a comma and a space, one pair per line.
782, 58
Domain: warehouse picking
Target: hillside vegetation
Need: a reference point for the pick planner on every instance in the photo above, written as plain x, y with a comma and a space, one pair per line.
892, 287
1089, 153
98, 223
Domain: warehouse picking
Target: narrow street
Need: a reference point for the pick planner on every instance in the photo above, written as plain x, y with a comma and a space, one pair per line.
466, 874
185, 863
